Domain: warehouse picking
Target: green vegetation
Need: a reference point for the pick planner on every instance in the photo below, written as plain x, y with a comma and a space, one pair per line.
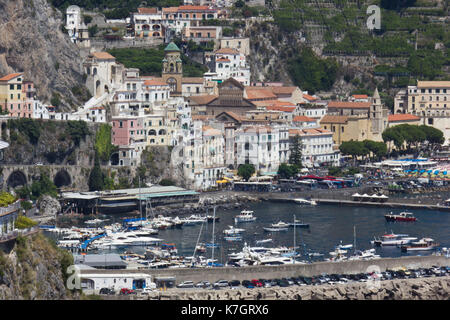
365, 149
413, 136
96, 177
295, 157
77, 130
167, 182
103, 146
29, 127
286, 171
24, 222
246, 171
312, 73
149, 61
6, 199
337, 172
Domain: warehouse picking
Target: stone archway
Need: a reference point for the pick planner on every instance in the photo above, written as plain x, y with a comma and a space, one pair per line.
114, 159
62, 178
17, 178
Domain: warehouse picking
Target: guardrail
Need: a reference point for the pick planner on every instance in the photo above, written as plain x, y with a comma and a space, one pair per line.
11, 208
14, 234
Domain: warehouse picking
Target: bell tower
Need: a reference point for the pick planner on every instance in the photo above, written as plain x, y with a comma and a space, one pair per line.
172, 71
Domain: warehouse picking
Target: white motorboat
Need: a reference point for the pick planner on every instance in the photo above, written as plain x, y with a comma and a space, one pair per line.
280, 224
276, 229
393, 240
263, 241
245, 216
424, 244
305, 201
233, 231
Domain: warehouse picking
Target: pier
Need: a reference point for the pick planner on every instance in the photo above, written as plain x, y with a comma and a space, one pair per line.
393, 205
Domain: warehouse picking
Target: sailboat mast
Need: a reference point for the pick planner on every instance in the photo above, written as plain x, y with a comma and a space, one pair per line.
354, 238
140, 200
214, 223
294, 240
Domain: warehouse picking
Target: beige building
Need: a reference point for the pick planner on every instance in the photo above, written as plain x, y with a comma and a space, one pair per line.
240, 44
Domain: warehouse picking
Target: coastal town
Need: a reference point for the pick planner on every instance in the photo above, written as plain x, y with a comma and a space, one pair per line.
168, 186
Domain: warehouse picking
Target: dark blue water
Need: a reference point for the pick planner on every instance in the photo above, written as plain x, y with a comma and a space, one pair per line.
329, 225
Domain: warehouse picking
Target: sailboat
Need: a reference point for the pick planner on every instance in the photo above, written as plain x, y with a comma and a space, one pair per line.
362, 255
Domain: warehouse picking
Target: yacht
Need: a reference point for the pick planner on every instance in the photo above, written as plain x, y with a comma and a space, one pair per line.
393, 240
298, 224
245, 216
233, 231
304, 201
423, 244
402, 216
279, 226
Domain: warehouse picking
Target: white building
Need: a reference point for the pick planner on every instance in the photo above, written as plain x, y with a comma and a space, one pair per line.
318, 147
91, 283
230, 63
258, 145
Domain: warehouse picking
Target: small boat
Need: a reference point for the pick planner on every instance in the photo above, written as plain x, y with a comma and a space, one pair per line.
298, 224
393, 240
245, 216
263, 241
233, 231
423, 244
233, 238
212, 218
304, 201
200, 248
272, 229
94, 221
402, 216
279, 224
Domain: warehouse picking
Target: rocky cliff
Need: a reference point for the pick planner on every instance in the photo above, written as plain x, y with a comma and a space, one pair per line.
32, 41
33, 270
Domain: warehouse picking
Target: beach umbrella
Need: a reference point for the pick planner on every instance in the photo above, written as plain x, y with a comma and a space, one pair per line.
429, 171
436, 171
422, 171
445, 173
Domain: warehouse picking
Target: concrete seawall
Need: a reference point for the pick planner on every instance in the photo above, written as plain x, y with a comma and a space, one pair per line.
271, 272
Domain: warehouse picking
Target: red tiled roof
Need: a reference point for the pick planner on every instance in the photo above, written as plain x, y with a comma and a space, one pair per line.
227, 51
349, 105
283, 90
154, 82
281, 108
303, 119
198, 8
308, 97
360, 96
305, 132
334, 119
402, 117
147, 10
259, 93
203, 99
10, 76
103, 56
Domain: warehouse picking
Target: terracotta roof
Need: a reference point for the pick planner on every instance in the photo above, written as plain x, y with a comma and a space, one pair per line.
170, 9
258, 129
360, 96
103, 55
309, 98
303, 119
223, 60
307, 132
402, 117
433, 84
203, 99
192, 80
281, 108
231, 114
349, 105
283, 90
191, 7
10, 76
147, 10
210, 131
154, 82
227, 51
334, 119
259, 93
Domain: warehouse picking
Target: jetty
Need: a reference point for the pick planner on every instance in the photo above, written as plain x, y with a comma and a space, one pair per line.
399, 205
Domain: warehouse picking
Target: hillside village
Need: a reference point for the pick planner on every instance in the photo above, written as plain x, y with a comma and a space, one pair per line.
222, 120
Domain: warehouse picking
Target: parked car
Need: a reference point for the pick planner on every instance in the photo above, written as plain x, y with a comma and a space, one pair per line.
247, 284
148, 290
256, 283
234, 284
127, 291
107, 291
203, 284
186, 284
221, 284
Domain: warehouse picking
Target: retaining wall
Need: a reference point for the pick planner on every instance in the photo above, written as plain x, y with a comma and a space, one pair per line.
273, 272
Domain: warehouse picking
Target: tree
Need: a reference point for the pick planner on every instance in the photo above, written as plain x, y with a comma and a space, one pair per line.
23, 222
246, 171
96, 176
286, 171
295, 158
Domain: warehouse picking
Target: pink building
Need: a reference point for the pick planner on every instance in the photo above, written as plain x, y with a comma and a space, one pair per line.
127, 130
17, 95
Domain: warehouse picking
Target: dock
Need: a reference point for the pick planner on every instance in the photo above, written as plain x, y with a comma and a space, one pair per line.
392, 205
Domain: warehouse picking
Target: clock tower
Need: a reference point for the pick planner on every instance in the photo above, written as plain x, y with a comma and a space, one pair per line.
172, 71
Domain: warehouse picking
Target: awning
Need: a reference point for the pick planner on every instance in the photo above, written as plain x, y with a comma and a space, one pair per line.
222, 181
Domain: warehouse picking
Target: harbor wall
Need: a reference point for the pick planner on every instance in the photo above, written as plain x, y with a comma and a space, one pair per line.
285, 271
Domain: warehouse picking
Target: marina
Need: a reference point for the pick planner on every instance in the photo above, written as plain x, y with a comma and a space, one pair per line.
275, 232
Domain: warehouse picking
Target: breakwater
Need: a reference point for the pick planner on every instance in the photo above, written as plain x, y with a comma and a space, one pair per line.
399, 289
286, 271
399, 205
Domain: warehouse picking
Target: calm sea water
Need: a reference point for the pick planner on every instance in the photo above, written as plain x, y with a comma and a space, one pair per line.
329, 225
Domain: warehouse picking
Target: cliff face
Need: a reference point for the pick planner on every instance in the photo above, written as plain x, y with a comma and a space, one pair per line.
33, 270
31, 41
